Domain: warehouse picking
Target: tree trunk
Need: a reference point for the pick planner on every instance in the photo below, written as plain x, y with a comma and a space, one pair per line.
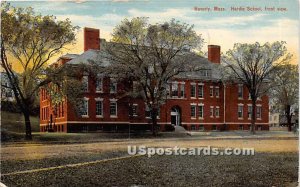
253, 116
27, 126
288, 116
154, 121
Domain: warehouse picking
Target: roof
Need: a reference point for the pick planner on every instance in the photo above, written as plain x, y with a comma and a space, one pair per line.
207, 70
69, 56
199, 62
90, 56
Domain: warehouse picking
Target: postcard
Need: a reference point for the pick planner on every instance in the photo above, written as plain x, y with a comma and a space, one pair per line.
149, 93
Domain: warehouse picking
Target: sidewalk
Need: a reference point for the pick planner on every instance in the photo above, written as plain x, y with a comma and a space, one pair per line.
238, 134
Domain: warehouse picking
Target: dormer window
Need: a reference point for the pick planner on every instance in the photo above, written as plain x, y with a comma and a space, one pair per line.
205, 73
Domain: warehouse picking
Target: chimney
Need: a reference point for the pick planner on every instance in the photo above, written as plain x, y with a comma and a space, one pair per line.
91, 38
214, 53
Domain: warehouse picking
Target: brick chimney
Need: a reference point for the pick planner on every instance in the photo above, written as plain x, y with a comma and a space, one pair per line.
91, 38
214, 53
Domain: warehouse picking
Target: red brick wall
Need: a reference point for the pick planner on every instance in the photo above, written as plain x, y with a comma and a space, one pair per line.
91, 38
214, 53
184, 104
47, 109
232, 102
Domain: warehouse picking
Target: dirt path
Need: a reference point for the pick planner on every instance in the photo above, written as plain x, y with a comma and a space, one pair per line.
29, 152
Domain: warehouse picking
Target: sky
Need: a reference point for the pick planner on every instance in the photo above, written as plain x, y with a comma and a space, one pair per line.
249, 24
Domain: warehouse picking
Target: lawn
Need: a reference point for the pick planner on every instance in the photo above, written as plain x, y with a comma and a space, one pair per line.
263, 169
14, 122
13, 126
275, 163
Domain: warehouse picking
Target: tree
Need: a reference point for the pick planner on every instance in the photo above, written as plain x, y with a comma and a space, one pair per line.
28, 41
285, 90
152, 54
252, 64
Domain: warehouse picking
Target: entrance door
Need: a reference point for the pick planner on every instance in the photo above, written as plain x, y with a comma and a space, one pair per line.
175, 116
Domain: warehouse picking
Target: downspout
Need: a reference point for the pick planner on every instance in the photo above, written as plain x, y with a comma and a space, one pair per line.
224, 105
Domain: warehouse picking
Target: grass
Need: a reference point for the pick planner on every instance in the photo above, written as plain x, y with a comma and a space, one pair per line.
14, 122
261, 170
13, 126
275, 163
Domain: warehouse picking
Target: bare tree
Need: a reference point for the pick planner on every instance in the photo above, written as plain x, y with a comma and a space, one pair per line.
151, 55
251, 65
285, 90
28, 41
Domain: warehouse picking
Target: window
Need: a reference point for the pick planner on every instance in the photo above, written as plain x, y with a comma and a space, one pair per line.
201, 127
240, 91
85, 83
214, 127
193, 111
113, 86
240, 111
62, 109
134, 109
181, 90
193, 127
55, 111
148, 112
211, 111
42, 114
158, 113
217, 112
175, 90
217, 91
84, 109
193, 90
205, 73
249, 111
200, 91
168, 90
200, 111
211, 91
58, 110
99, 83
258, 112
241, 127
99, 108
113, 108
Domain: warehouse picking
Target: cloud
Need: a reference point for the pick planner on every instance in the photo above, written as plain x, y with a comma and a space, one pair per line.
105, 23
187, 15
224, 31
54, 5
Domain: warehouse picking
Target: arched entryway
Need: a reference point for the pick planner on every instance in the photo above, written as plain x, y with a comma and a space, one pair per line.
176, 116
